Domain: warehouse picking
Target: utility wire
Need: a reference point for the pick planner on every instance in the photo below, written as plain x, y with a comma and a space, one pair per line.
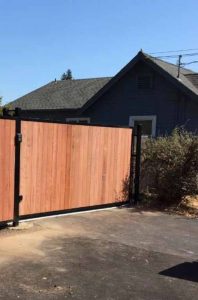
175, 56
191, 62
179, 57
174, 51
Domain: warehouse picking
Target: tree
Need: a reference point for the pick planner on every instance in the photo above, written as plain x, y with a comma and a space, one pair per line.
67, 75
3, 106
63, 76
1, 109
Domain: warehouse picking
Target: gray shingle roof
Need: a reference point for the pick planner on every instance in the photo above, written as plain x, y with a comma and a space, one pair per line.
193, 78
61, 94
185, 77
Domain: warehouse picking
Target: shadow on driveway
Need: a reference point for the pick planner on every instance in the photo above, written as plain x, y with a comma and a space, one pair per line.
186, 271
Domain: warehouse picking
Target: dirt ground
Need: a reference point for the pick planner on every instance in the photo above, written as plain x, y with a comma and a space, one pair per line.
108, 254
188, 207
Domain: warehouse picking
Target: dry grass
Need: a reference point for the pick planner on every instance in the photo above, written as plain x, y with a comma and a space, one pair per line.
188, 207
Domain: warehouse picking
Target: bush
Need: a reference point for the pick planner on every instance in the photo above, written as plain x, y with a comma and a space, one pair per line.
170, 166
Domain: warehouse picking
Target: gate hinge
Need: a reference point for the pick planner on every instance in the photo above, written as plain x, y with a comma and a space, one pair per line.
18, 138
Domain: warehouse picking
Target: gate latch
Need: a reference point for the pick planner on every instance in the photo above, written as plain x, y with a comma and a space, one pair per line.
20, 198
18, 138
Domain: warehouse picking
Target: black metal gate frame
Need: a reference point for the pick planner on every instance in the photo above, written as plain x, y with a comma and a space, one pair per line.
134, 173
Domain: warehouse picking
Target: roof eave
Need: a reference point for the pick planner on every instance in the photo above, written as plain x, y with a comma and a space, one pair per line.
70, 110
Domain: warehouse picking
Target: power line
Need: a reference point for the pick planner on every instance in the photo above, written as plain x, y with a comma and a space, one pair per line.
167, 56
191, 62
179, 57
174, 51
190, 54
175, 56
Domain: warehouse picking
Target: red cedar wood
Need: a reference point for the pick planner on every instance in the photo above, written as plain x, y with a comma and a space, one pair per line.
7, 162
72, 166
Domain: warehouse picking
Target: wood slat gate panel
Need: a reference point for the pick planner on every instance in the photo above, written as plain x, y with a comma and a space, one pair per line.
72, 166
7, 162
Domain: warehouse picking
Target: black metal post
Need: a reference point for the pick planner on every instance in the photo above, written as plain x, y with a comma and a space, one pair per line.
137, 164
17, 197
17, 112
131, 172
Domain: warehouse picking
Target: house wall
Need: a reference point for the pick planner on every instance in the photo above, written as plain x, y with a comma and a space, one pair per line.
124, 99
191, 116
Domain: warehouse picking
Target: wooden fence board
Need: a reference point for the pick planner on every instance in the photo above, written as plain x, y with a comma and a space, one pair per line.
7, 162
71, 166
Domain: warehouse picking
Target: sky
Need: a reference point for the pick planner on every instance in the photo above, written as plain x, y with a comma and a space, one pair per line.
41, 39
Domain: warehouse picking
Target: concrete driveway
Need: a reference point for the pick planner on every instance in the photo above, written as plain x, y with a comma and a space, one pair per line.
109, 254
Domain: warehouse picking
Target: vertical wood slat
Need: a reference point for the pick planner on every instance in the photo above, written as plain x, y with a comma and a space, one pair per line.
7, 162
71, 166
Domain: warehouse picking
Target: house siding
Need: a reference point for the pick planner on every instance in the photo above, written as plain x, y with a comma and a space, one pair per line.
191, 116
124, 100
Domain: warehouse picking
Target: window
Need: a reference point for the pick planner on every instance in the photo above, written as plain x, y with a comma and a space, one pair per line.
78, 120
144, 82
148, 124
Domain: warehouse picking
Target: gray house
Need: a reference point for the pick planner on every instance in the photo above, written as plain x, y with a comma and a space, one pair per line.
147, 91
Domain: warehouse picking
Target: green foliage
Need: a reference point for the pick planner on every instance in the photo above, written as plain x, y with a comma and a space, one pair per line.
1, 108
67, 75
170, 166
63, 76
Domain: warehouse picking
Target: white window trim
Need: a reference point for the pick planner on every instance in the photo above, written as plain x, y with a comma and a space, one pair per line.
152, 118
77, 120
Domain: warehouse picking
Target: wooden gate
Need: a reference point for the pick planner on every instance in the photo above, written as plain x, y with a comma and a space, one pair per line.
7, 163
62, 167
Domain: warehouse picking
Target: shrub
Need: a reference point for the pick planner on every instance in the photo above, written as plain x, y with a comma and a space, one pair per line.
170, 166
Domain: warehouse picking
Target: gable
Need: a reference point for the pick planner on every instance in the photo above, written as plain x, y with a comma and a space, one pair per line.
125, 98
167, 70
125, 93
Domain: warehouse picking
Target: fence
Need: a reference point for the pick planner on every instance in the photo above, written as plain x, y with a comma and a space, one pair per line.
51, 167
